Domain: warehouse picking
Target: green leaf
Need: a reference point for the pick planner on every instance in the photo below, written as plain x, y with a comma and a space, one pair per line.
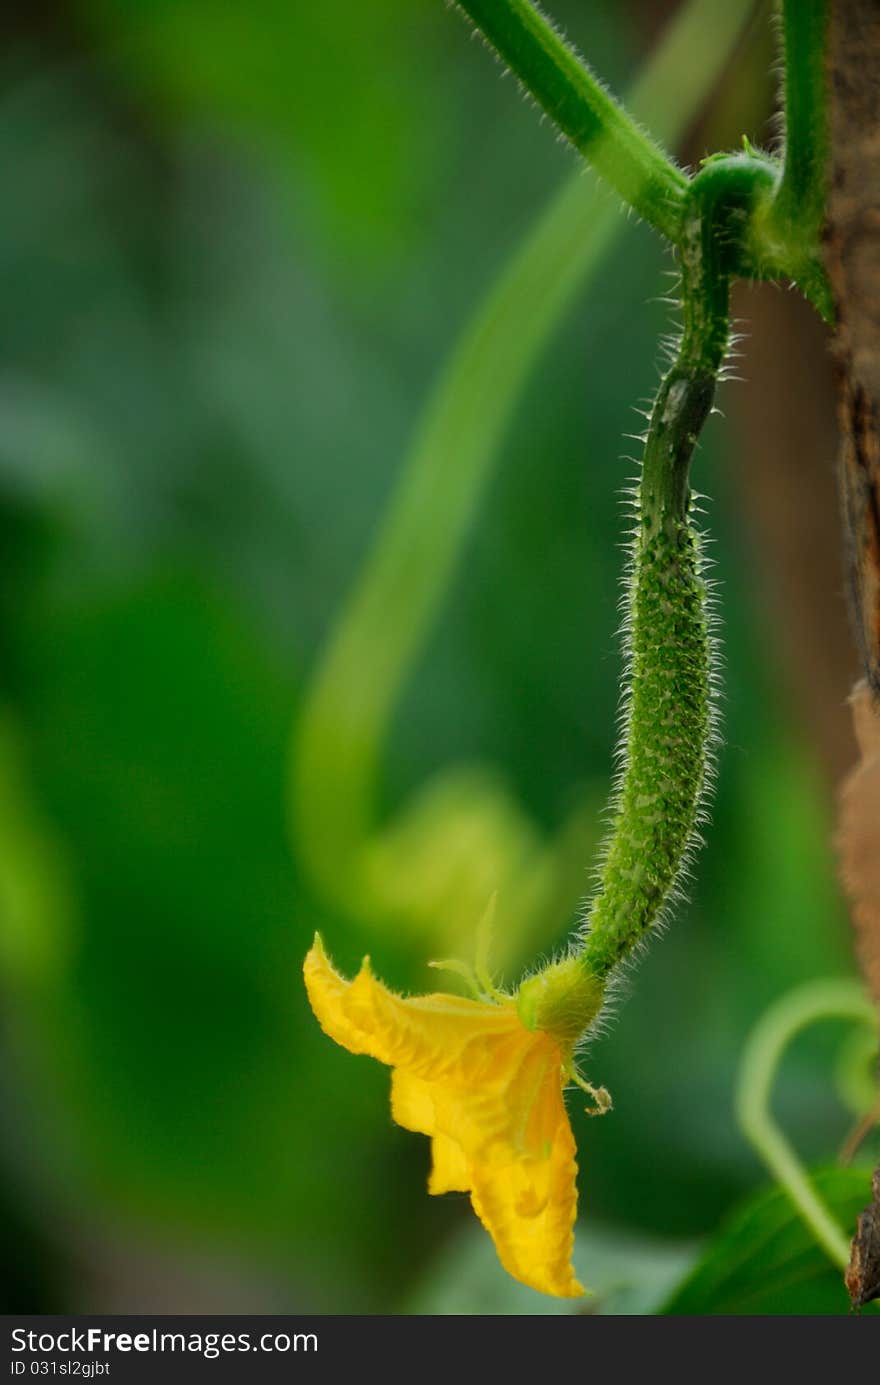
765, 1260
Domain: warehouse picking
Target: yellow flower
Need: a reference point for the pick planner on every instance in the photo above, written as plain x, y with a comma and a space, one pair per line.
486, 1086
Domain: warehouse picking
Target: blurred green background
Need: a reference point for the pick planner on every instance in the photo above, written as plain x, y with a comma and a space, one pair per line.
238, 243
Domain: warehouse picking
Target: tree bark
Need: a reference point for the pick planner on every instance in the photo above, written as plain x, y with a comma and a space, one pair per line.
853, 263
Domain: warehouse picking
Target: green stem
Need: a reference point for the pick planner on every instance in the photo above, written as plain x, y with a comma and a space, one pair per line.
785, 236
339, 738
800, 201
760, 1063
597, 125
782, 239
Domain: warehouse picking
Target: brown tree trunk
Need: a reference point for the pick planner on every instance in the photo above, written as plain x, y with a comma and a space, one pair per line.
853, 262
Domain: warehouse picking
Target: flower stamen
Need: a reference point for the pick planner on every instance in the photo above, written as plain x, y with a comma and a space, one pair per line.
601, 1095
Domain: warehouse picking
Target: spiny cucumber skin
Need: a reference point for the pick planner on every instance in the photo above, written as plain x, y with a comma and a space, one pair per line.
668, 723
666, 743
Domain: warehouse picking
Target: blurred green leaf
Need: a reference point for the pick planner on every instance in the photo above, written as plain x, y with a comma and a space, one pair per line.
335, 93
780, 785
182, 1076
35, 909
765, 1261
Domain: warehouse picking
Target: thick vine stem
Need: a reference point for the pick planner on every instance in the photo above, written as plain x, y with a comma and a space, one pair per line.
668, 711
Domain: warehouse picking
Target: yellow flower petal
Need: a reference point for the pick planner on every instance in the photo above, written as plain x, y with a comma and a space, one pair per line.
423, 1033
519, 1152
450, 1170
488, 1091
412, 1102
412, 1106
529, 1204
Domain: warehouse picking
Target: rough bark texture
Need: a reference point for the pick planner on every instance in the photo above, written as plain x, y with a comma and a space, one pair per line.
858, 838
853, 261
863, 1274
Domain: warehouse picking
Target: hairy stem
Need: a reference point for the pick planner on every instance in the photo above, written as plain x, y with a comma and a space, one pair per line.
574, 98
785, 238
800, 201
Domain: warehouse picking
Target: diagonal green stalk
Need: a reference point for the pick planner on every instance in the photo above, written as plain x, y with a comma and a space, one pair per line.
574, 98
338, 740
